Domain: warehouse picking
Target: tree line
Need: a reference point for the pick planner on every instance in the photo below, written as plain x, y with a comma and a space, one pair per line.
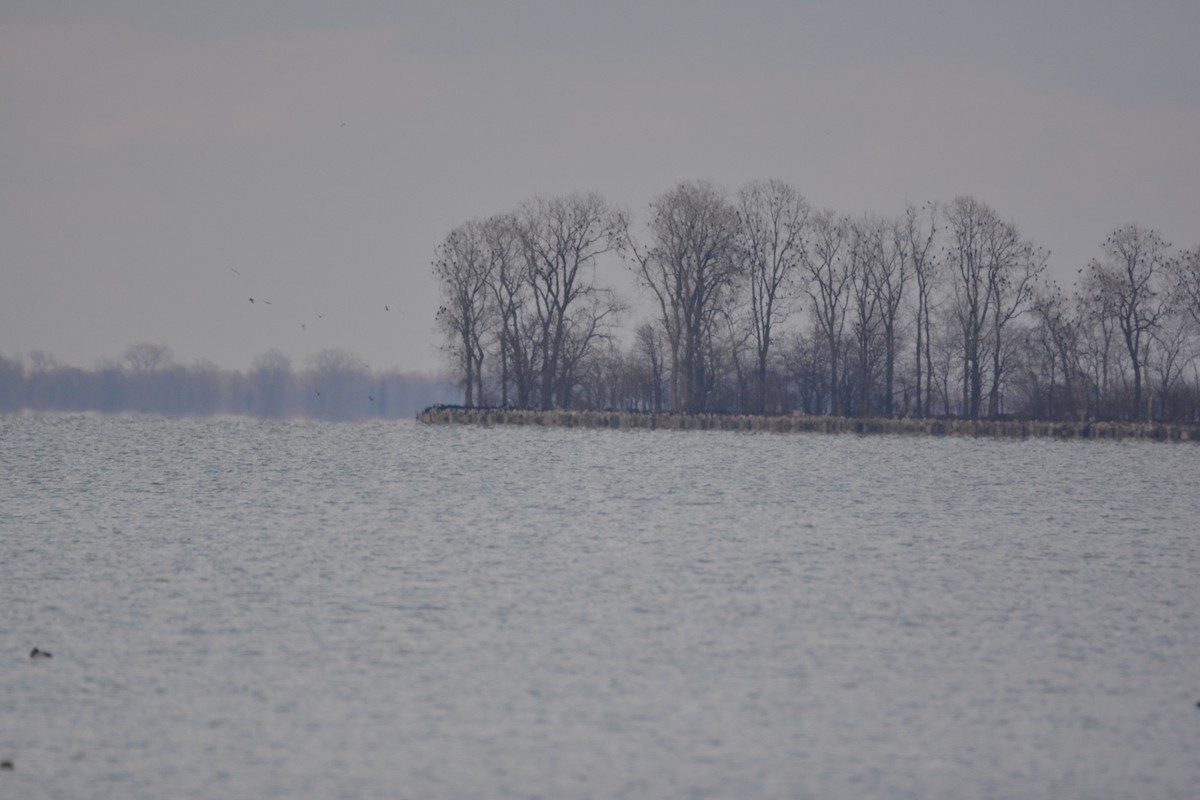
333, 385
763, 303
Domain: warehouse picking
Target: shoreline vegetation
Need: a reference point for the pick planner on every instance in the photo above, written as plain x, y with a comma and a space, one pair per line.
805, 423
756, 300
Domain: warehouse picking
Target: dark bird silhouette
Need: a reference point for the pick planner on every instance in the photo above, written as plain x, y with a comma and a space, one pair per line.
371, 397
36, 653
251, 301
6, 764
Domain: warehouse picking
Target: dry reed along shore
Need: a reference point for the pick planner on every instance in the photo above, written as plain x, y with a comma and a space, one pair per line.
633, 420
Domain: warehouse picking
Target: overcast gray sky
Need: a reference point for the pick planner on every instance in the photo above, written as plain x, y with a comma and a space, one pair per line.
160, 163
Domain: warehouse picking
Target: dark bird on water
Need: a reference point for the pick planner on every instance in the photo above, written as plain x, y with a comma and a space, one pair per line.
36, 653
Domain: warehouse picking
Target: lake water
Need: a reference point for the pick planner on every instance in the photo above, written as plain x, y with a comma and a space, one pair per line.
246, 609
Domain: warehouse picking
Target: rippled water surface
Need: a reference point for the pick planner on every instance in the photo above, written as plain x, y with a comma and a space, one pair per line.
251, 609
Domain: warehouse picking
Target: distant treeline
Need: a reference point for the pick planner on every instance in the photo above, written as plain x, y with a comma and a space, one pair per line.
760, 303
334, 385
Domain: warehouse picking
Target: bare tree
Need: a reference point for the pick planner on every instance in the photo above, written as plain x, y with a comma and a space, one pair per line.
42, 362
562, 239
878, 278
1097, 347
827, 264
1056, 336
864, 306
690, 267
947, 357
1187, 273
515, 330
970, 225
892, 271
920, 232
994, 274
1174, 347
773, 218
1015, 266
145, 358
806, 372
1126, 286
648, 348
464, 268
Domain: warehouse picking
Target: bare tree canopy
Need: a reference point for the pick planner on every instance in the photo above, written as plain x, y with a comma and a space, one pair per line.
774, 219
690, 267
1188, 286
754, 301
828, 264
1125, 285
144, 357
464, 268
562, 239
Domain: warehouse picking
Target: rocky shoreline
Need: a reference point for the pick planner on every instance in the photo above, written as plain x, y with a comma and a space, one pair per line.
797, 423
